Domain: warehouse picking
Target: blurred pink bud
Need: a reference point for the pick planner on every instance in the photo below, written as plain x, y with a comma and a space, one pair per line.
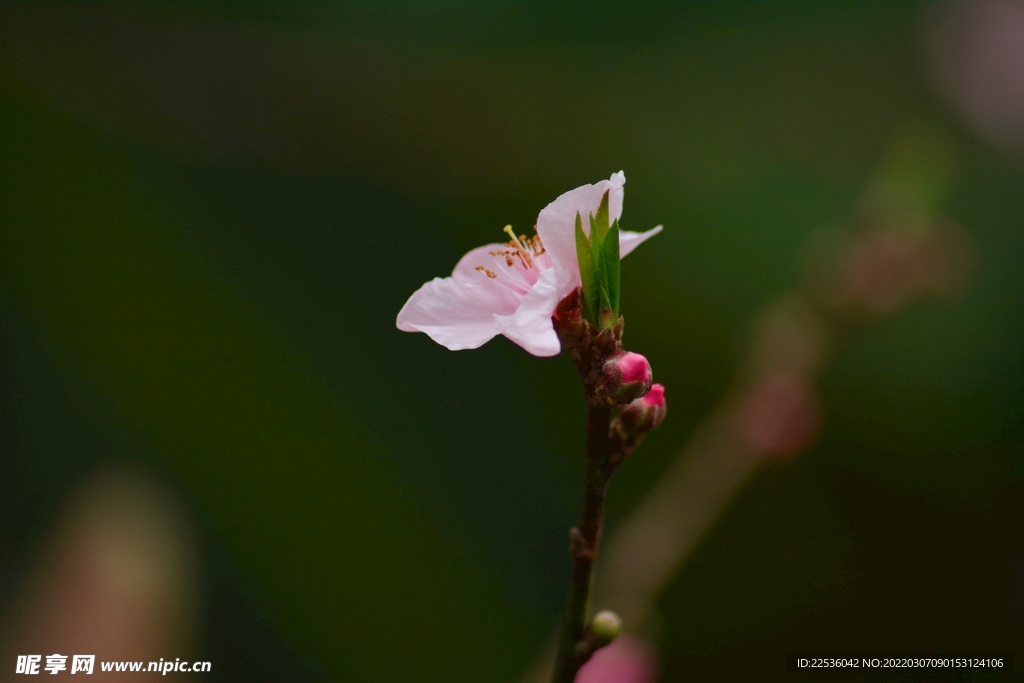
627, 660
627, 376
780, 415
118, 578
977, 52
883, 272
947, 260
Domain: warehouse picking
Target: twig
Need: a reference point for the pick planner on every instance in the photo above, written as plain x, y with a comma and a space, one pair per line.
584, 542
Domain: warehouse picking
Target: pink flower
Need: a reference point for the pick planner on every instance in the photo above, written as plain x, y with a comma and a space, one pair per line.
512, 289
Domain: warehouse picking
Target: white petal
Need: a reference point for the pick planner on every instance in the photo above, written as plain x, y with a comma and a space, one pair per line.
530, 326
455, 314
628, 241
556, 225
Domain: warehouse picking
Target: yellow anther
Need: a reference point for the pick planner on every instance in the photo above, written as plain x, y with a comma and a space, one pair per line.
515, 240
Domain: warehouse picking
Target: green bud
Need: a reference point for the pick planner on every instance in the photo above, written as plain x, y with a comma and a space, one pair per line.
605, 626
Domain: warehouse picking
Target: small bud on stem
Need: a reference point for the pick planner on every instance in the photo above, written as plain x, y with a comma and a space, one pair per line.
626, 376
635, 420
605, 627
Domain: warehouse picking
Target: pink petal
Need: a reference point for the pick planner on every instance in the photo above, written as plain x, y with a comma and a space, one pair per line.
530, 326
556, 225
628, 241
515, 277
626, 660
455, 314
465, 269
634, 367
655, 397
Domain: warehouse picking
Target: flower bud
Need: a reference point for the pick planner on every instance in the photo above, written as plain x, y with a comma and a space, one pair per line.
627, 376
641, 415
605, 626
602, 630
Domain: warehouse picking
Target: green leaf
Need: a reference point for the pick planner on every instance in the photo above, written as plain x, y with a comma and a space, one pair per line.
604, 312
588, 277
601, 284
601, 219
595, 236
611, 266
600, 271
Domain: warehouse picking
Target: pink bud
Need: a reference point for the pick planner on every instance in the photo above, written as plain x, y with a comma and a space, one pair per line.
627, 376
641, 415
655, 398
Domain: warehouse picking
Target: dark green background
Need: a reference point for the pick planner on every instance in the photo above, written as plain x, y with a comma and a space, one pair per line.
211, 213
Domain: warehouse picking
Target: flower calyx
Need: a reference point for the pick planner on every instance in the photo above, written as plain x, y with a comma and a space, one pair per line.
633, 421
589, 346
568, 320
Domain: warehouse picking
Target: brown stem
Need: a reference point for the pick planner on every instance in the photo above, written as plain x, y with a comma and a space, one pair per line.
584, 541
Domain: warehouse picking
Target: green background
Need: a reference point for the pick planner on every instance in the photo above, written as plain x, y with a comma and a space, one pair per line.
211, 213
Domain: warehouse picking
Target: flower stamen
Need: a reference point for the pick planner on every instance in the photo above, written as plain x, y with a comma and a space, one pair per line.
523, 248
515, 240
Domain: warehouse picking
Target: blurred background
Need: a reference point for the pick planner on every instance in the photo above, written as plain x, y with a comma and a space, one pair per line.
215, 443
